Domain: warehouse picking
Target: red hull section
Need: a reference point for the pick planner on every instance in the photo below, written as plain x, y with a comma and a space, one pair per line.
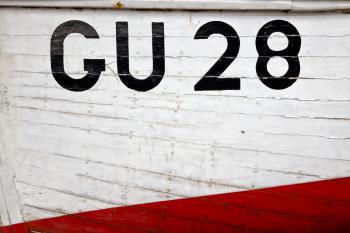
320, 207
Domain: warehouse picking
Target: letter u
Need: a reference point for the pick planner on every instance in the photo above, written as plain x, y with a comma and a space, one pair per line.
123, 58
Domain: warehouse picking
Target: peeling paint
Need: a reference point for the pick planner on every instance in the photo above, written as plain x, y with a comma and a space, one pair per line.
119, 5
67, 152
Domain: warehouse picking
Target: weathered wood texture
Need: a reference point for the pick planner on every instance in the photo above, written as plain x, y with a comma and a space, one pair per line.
313, 207
112, 146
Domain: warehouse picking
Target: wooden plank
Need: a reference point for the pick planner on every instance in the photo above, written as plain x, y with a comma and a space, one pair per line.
280, 5
113, 146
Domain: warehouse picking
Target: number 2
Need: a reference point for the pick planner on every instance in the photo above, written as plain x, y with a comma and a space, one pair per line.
210, 81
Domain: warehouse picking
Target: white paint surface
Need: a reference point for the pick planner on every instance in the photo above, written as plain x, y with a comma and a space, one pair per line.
285, 5
65, 152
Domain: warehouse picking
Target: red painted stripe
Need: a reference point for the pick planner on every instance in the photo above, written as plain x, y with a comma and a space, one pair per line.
320, 207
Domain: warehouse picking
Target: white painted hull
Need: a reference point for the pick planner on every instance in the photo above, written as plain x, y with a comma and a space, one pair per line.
111, 146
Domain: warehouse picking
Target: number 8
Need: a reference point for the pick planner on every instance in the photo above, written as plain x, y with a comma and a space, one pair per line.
290, 54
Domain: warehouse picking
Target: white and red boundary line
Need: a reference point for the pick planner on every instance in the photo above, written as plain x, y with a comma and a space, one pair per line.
320, 207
